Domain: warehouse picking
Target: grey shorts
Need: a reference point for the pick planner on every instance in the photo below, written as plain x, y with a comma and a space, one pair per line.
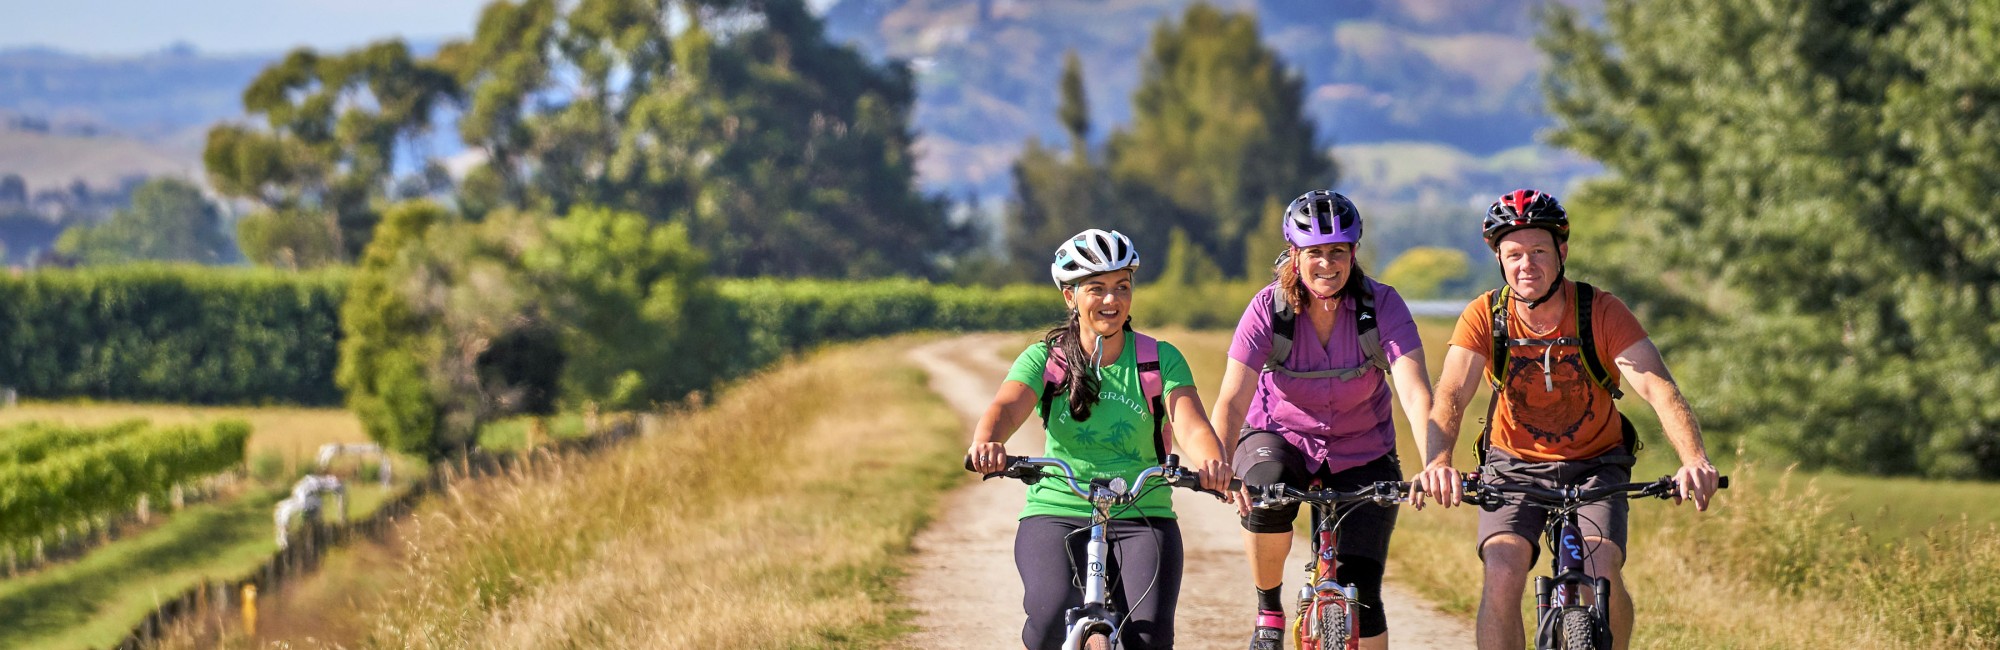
1264, 457
1606, 519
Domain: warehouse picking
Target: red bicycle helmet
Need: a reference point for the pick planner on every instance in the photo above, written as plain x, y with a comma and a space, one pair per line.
1525, 209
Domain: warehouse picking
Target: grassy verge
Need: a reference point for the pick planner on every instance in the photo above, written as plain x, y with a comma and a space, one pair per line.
1783, 559
773, 519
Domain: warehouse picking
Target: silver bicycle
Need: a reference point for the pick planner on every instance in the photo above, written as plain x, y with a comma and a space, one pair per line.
1096, 624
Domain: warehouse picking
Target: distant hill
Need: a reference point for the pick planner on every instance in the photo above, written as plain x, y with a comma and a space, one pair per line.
48, 161
155, 97
1461, 74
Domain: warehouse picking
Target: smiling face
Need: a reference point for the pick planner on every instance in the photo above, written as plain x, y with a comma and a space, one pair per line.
1530, 258
1102, 302
1324, 268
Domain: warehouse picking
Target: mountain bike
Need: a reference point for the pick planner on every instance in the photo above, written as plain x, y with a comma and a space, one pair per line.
1328, 610
1562, 621
1097, 623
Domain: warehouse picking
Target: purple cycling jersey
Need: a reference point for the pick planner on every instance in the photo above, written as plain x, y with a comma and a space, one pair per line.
1338, 424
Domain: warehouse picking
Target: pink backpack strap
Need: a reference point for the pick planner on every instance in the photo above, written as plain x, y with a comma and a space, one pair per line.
1149, 367
1154, 386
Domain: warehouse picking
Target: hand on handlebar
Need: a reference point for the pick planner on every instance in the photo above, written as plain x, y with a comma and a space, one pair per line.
1697, 482
986, 457
1440, 482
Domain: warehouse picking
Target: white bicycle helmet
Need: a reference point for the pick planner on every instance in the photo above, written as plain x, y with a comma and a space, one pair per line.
1092, 252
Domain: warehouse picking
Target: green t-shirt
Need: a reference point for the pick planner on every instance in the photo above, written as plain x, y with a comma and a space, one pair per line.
1115, 442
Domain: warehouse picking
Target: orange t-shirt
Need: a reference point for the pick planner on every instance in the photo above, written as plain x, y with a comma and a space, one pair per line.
1570, 417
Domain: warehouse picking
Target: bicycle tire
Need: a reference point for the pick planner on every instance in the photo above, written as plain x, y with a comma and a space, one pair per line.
1330, 629
1579, 629
1097, 641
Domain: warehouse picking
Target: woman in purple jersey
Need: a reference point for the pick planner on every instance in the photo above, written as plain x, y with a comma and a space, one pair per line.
1323, 412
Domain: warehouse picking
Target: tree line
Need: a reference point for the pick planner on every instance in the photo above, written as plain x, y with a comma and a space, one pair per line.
1802, 192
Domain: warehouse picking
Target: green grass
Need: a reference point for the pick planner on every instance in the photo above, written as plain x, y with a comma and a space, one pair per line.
511, 434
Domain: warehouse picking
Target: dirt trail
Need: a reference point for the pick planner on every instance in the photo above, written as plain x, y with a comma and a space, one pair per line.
963, 578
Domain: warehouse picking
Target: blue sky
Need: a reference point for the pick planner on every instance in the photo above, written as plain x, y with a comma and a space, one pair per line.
115, 27
119, 27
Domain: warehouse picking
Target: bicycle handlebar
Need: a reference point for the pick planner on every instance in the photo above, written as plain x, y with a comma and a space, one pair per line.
1030, 470
1381, 492
1489, 496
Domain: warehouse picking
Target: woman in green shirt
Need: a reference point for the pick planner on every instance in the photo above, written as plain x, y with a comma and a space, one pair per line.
1101, 422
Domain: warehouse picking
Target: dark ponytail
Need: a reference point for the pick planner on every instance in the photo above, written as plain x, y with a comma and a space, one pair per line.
1080, 381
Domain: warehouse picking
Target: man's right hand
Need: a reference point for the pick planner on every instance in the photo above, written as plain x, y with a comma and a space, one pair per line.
1438, 481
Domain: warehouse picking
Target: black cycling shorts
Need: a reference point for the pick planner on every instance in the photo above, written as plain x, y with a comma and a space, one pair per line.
1264, 457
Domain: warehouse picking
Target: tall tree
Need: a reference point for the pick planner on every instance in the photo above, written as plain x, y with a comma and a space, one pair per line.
1217, 130
325, 156
1812, 183
781, 152
1057, 196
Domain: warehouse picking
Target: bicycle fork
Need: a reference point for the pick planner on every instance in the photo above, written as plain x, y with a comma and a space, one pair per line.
1096, 613
1555, 594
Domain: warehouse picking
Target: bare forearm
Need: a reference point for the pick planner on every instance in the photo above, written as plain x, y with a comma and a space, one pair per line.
1413, 389
1677, 419
1441, 433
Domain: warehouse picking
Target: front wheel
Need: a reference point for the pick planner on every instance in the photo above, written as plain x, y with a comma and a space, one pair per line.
1097, 641
1329, 630
1579, 629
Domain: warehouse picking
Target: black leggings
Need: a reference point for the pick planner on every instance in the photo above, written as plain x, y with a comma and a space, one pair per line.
1145, 577
1366, 576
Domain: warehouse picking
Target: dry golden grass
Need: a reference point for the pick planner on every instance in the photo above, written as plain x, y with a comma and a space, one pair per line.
772, 520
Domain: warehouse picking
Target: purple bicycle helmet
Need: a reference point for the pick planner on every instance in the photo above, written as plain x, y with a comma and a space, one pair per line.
1322, 217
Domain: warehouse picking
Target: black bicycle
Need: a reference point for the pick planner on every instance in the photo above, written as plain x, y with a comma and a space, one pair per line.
1097, 624
1563, 622
1328, 616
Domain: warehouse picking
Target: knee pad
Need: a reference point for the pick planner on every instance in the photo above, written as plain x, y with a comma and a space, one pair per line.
1366, 576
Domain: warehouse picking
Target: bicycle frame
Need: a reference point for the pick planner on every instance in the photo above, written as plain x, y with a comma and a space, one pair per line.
1096, 614
1321, 593
1562, 588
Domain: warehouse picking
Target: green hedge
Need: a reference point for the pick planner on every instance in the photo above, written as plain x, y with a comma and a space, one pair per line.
172, 334
777, 317
235, 336
105, 470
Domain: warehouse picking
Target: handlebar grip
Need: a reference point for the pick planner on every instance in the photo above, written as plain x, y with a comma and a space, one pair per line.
1722, 483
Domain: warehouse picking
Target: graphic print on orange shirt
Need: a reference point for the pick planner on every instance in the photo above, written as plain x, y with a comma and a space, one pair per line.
1570, 416
1552, 417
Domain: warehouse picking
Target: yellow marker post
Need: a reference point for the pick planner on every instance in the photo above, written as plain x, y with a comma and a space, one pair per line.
250, 609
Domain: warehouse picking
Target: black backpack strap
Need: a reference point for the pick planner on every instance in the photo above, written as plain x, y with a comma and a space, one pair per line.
1598, 372
1497, 357
1496, 309
1366, 328
1283, 321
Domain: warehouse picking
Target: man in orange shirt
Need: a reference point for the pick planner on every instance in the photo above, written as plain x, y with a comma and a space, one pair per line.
1553, 422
